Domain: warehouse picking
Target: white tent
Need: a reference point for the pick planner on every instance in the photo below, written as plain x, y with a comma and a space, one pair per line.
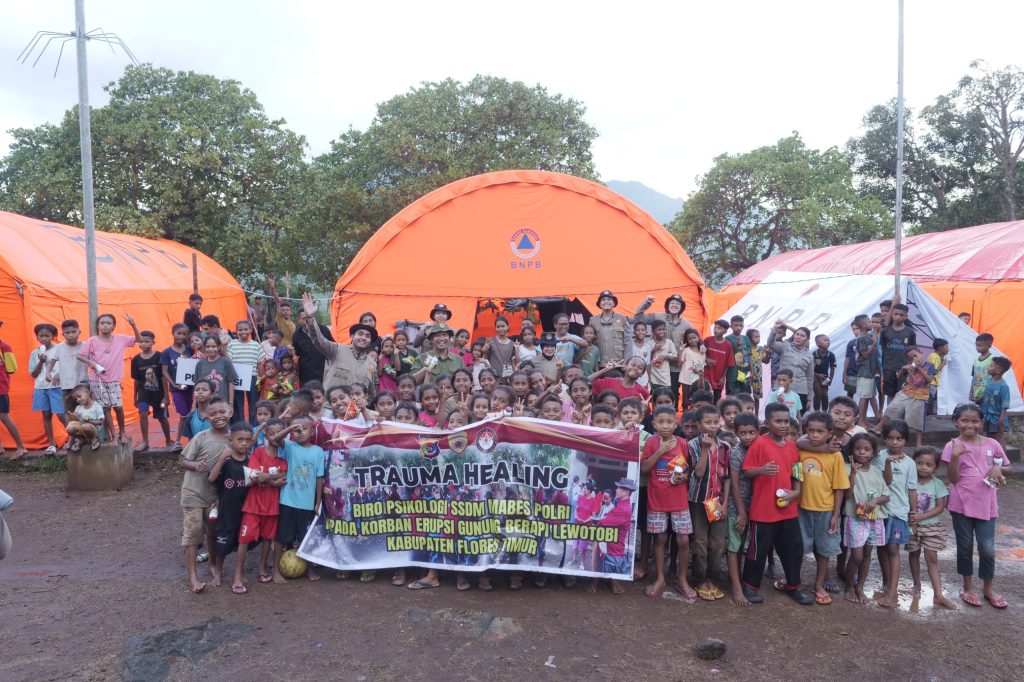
827, 303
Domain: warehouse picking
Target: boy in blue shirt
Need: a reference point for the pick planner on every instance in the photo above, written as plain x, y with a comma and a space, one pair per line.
785, 395
995, 400
300, 496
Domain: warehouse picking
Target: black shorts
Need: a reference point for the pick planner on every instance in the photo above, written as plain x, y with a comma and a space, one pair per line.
292, 524
641, 509
891, 383
5, 404
225, 540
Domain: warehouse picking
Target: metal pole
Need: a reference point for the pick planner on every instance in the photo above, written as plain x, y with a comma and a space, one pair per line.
195, 274
85, 140
899, 157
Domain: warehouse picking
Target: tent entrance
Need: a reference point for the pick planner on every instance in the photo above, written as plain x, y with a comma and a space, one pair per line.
539, 310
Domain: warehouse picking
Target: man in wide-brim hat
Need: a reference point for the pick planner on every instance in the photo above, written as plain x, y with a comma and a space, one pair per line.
675, 326
343, 364
438, 359
612, 329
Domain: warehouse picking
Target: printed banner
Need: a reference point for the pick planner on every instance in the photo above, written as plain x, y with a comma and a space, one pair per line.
511, 493
186, 374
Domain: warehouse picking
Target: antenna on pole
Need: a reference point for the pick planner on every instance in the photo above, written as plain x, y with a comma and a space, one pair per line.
37, 47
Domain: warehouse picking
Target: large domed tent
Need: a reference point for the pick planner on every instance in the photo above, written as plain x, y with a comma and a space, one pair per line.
497, 240
978, 270
43, 279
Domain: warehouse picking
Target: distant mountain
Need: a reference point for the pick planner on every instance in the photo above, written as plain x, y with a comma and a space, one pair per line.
663, 207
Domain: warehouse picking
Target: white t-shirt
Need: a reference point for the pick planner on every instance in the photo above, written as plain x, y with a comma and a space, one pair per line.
94, 412
40, 380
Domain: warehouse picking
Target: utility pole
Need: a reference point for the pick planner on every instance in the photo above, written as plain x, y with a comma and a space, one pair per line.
85, 139
898, 217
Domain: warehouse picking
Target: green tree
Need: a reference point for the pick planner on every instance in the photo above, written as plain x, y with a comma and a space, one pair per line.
961, 154
753, 205
436, 134
180, 155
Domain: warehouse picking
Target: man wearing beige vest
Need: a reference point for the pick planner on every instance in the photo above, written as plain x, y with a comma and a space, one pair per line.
343, 364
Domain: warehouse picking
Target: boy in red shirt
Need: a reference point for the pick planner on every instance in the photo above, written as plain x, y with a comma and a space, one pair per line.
259, 512
774, 513
720, 357
664, 459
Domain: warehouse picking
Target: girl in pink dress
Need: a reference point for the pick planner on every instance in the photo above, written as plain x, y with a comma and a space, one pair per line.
976, 467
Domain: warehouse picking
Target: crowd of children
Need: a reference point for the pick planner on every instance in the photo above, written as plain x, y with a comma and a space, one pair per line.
721, 494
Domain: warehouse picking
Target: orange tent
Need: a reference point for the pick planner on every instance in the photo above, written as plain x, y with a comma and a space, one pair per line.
43, 279
977, 270
481, 241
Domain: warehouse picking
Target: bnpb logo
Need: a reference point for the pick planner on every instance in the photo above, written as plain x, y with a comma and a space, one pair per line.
525, 243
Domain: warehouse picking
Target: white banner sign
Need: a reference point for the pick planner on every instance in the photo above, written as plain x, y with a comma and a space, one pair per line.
187, 374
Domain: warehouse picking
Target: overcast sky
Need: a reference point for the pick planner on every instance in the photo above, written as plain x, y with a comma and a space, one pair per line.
668, 85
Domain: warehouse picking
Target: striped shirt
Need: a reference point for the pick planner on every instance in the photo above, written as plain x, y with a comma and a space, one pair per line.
248, 353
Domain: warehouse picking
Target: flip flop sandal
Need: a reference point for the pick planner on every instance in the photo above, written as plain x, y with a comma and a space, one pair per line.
996, 600
368, 576
689, 598
240, 589
264, 578
485, 585
422, 585
780, 585
141, 447
706, 595
718, 593
52, 450
177, 447
95, 445
822, 598
343, 575
652, 594
970, 598
461, 584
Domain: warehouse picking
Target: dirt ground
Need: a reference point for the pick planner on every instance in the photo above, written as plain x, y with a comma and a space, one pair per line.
95, 590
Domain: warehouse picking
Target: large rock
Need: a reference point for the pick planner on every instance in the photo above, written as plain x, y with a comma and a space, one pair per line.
709, 649
108, 468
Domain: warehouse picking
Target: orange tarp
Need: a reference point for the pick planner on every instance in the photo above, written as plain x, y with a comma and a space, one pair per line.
515, 234
43, 279
977, 270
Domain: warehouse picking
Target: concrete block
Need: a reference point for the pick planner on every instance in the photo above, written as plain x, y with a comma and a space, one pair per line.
108, 468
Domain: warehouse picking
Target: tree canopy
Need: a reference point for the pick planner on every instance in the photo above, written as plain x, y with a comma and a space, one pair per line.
194, 158
961, 154
753, 205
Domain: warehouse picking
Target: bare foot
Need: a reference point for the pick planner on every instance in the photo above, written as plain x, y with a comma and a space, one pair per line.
196, 585
917, 590
618, 587
887, 600
943, 602
215, 582
738, 598
591, 587
853, 595
278, 578
655, 589
311, 574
